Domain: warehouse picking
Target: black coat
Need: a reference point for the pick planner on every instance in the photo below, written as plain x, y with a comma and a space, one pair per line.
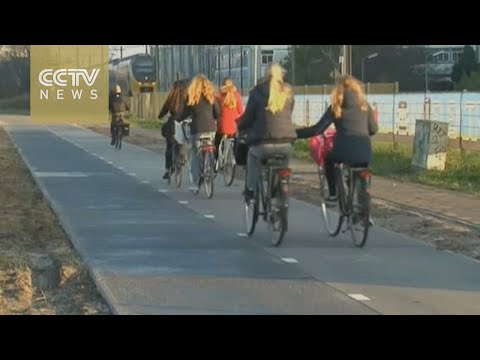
117, 103
262, 126
204, 115
352, 143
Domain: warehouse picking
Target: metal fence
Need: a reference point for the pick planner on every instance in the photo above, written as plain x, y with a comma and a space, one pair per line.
397, 112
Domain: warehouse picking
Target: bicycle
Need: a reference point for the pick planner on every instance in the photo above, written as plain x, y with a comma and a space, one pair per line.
118, 131
179, 158
206, 163
353, 202
273, 195
226, 159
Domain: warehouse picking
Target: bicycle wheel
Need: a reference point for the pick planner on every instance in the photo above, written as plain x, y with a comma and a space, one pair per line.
208, 174
178, 167
278, 219
359, 222
220, 156
331, 221
251, 213
172, 168
229, 165
201, 159
118, 144
342, 193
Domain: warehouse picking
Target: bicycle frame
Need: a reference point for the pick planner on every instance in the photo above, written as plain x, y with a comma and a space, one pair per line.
266, 194
226, 145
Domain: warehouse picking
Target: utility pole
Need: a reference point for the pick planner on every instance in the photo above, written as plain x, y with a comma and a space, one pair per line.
218, 65
241, 69
293, 65
121, 52
229, 60
346, 68
255, 66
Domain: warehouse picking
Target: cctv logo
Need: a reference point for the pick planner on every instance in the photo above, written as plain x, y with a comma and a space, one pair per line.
67, 77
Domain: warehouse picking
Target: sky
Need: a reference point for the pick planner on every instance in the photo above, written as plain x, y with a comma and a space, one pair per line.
114, 50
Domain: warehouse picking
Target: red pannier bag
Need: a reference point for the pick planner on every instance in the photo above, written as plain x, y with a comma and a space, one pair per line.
321, 145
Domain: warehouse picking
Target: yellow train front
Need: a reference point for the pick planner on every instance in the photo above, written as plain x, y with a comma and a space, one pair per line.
135, 74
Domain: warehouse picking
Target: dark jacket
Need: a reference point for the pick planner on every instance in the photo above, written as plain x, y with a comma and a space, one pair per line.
352, 143
168, 129
204, 115
264, 127
117, 104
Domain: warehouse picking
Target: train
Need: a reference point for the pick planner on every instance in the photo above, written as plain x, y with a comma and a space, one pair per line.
134, 74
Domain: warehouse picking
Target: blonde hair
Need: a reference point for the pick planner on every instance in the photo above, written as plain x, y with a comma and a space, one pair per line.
199, 86
279, 92
229, 91
347, 82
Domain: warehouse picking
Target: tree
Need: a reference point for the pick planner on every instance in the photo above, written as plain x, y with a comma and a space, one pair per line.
465, 73
14, 70
314, 64
318, 64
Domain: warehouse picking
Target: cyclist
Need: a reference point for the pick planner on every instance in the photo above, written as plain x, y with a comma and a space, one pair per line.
268, 122
354, 121
231, 107
204, 110
117, 106
175, 98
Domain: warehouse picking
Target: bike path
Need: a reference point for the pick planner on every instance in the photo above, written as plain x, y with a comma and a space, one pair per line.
150, 254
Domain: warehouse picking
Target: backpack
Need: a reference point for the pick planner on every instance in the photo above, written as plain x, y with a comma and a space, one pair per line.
321, 145
240, 150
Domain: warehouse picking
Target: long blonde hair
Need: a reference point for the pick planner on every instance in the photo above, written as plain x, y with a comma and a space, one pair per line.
279, 92
347, 82
199, 86
229, 90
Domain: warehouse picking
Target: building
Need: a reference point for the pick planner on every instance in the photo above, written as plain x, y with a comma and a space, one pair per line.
215, 61
439, 62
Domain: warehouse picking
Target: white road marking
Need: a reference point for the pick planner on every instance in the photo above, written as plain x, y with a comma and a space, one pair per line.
242, 234
359, 297
46, 174
209, 216
183, 202
132, 174
145, 182
162, 190
290, 260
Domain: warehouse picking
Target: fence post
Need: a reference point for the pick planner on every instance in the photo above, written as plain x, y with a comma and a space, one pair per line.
393, 118
462, 150
307, 113
323, 99
305, 104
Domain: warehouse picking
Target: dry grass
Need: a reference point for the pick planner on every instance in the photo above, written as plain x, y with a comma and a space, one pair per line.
27, 224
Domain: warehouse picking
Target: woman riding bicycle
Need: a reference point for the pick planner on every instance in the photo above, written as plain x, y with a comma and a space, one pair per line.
231, 107
204, 110
354, 121
175, 98
268, 121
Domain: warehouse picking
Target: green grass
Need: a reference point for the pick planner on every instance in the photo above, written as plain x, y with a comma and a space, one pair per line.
301, 149
136, 122
462, 175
